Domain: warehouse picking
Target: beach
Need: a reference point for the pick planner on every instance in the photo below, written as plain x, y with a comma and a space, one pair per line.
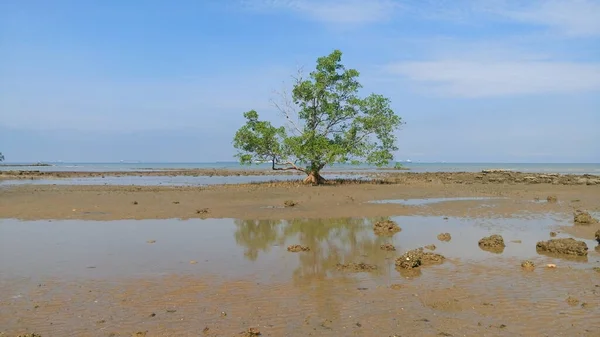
222, 260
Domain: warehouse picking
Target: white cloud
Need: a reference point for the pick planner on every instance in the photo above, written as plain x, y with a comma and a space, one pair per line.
332, 11
484, 78
571, 18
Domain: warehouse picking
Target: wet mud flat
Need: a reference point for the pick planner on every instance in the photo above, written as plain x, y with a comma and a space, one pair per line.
230, 277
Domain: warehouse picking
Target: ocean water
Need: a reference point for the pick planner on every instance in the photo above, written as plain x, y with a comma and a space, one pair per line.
562, 168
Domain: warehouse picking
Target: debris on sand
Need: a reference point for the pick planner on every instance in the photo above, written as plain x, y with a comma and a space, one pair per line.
430, 247
290, 203
396, 286
356, 267
386, 228
528, 265
151, 241
417, 257
251, 332
297, 248
596, 269
572, 301
584, 218
567, 246
551, 265
444, 237
551, 198
28, 335
202, 211
493, 243
552, 234
388, 247
135, 202
140, 334
597, 235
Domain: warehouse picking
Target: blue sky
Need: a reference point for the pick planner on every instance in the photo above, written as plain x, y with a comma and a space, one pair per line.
475, 81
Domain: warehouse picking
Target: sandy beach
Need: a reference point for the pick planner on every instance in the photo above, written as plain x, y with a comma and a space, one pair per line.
176, 276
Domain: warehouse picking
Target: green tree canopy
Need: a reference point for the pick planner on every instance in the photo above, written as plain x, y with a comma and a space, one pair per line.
327, 123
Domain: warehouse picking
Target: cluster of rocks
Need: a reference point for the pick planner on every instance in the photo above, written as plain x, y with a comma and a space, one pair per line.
496, 177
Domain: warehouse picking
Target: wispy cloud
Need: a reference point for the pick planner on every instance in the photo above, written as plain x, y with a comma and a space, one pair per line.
483, 78
332, 11
570, 18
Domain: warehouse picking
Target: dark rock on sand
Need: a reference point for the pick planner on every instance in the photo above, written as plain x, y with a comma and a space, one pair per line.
386, 228
444, 237
297, 248
493, 243
568, 246
356, 267
528, 265
290, 203
418, 257
388, 247
597, 235
584, 218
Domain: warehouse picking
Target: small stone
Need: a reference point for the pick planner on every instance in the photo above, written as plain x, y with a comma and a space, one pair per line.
572, 301
290, 203
528, 265
388, 247
298, 248
444, 237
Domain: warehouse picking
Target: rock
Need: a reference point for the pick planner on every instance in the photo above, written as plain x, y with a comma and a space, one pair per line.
493, 243
417, 257
528, 265
297, 248
356, 267
572, 301
551, 198
430, 247
552, 234
251, 332
444, 237
597, 235
388, 247
386, 228
567, 246
583, 218
290, 203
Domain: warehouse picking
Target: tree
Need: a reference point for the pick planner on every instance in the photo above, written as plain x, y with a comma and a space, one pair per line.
327, 123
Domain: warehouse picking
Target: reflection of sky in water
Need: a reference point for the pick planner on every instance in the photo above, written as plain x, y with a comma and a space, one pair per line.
236, 248
167, 180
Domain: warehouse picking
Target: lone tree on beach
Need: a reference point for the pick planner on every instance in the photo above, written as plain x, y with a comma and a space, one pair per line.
327, 123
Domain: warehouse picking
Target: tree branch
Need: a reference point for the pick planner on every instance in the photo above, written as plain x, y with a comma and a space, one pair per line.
292, 166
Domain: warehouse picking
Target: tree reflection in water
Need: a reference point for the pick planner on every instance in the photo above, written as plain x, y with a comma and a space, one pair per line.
331, 241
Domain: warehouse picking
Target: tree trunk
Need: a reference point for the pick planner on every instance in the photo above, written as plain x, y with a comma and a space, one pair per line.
314, 178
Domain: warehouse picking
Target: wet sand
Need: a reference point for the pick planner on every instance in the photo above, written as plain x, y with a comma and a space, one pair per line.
229, 270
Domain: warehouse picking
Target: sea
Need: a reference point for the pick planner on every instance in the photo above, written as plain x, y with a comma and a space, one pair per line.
562, 168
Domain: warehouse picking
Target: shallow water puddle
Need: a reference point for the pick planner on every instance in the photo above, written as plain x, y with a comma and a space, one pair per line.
422, 202
238, 248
